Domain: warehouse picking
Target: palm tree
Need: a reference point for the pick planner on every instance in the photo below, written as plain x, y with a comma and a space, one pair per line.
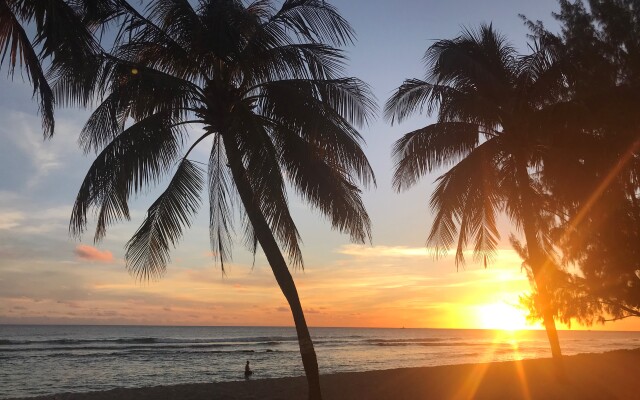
266, 87
494, 110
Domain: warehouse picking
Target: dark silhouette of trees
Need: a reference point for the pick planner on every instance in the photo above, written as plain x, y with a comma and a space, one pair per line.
591, 176
266, 87
491, 106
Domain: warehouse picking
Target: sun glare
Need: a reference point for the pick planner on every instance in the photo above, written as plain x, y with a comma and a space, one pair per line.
502, 316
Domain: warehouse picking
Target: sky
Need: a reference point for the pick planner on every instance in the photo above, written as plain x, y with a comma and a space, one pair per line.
47, 277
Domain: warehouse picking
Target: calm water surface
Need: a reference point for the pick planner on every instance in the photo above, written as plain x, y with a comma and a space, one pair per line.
36, 360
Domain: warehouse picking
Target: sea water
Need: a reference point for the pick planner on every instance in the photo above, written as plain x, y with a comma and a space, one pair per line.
38, 360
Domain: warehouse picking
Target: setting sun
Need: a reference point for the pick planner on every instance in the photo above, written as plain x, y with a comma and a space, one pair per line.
502, 316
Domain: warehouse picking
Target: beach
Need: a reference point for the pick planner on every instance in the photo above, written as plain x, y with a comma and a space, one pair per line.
610, 375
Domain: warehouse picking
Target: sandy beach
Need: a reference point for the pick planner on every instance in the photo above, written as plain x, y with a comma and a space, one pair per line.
611, 375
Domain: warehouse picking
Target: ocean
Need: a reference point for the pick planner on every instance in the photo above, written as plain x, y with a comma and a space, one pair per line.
39, 360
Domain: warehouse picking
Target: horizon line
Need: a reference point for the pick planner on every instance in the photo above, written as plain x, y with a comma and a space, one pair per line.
311, 327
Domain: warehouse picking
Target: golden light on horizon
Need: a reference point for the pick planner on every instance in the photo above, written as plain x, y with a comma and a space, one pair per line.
502, 316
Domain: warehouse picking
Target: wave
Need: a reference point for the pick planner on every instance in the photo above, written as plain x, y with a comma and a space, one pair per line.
409, 340
271, 343
107, 347
131, 352
73, 342
263, 340
439, 344
123, 345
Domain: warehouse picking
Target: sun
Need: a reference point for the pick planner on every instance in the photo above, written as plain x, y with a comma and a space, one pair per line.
502, 316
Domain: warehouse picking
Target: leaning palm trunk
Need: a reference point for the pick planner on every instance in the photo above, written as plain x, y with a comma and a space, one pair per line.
278, 266
538, 262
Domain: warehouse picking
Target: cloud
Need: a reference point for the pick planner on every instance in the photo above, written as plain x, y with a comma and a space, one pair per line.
90, 253
383, 251
362, 251
11, 219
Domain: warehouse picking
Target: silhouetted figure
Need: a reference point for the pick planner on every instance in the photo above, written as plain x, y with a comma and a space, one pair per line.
247, 371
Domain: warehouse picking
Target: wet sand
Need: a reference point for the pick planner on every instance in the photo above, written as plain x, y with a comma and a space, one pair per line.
612, 375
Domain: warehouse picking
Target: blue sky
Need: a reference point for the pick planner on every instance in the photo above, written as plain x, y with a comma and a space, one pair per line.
48, 277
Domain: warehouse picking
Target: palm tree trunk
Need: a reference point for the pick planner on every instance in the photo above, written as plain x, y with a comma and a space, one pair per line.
539, 264
278, 265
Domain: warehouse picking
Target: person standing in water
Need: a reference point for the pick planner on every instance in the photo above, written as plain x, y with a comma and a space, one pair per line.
247, 371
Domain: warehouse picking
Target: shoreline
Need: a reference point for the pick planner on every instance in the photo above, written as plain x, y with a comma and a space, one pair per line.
609, 375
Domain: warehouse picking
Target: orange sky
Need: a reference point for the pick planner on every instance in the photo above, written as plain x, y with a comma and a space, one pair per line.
366, 286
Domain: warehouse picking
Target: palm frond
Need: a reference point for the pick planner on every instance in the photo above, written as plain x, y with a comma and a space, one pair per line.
15, 44
98, 15
143, 41
65, 39
542, 74
61, 32
477, 61
177, 19
78, 84
262, 9
454, 104
232, 27
295, 106
154, 50
474, 108
262, 62
137, 157
147, 252
350, 98
250, 237
314, 21
145, 91
431, 147
105, 124
221, 201
466, 202
478, 222
410, 98
324, 185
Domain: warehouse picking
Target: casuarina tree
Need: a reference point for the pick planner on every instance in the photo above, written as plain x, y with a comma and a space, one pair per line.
591, 173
